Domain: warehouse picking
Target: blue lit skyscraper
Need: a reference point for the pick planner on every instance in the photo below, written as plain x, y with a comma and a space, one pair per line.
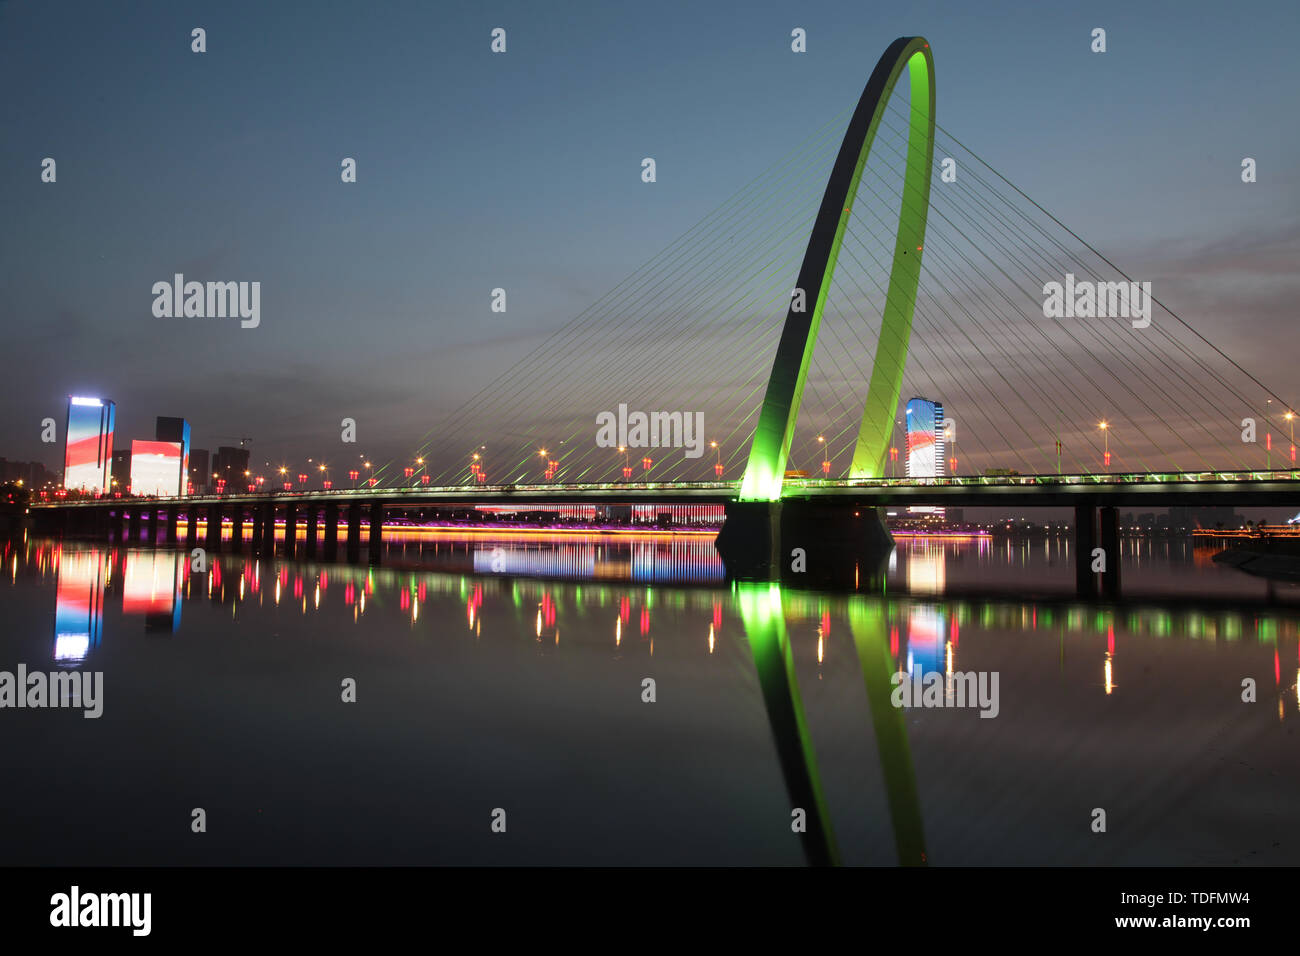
924, 439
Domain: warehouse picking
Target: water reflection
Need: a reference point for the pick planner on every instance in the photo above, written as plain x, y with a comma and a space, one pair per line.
79, 606
591, 599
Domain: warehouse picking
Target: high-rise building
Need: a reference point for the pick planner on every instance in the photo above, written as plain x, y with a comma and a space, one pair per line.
924, 439
200, 473
88, 449
924, 445
229, 466
121, 471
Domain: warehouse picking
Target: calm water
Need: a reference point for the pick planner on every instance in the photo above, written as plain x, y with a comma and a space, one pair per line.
506, 672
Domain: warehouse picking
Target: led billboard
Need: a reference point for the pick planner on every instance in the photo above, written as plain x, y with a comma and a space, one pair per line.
157, 468
924, 439
177, 429
88, 453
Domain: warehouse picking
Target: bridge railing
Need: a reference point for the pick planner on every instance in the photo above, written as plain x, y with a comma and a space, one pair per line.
1184, 477
640, 487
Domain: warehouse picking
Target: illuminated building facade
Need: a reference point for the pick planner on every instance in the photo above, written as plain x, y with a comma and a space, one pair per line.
925, 449
88, 450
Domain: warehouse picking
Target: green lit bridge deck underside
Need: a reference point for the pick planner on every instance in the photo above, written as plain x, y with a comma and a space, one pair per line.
1242, 489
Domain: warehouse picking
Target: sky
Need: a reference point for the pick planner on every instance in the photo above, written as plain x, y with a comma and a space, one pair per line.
522, 170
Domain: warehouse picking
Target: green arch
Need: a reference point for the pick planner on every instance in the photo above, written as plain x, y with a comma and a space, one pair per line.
765, 473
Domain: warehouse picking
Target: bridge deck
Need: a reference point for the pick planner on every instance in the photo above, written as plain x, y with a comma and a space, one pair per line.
1240, 488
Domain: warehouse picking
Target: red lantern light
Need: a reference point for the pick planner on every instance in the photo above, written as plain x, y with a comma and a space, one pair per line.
302, 479
288, 486
646, 462
627, 471
252, 488
354, 474
424, 479
717, 469
327, 485
482, 476
826, 467
371, 481
408, 471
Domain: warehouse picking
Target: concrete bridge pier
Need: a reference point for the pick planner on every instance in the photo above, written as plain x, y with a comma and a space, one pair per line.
800, 541
117, 525
266, 546
213, 536
313, 528
192, 526
331, 530
376, 538
354, 531
1110, 581
133, 516
237, 528
290, 528
1085, 540
173, 517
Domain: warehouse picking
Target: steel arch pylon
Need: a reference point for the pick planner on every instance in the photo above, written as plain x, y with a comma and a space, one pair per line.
765, 471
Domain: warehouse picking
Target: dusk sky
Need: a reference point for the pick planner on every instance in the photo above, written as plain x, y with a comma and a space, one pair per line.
522, 171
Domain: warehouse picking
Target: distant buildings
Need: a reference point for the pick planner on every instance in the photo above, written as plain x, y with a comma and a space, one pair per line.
32, 474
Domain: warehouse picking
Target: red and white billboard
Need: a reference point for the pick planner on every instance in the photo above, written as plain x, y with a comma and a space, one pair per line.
157, 468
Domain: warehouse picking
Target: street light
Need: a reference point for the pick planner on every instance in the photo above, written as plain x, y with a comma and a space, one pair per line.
1105, 431
717, 467
826, 461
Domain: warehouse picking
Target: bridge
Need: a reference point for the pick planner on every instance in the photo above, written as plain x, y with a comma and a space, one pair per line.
916, 242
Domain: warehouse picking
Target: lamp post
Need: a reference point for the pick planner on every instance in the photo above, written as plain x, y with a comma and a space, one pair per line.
717, 467
826, 461
1105, 431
